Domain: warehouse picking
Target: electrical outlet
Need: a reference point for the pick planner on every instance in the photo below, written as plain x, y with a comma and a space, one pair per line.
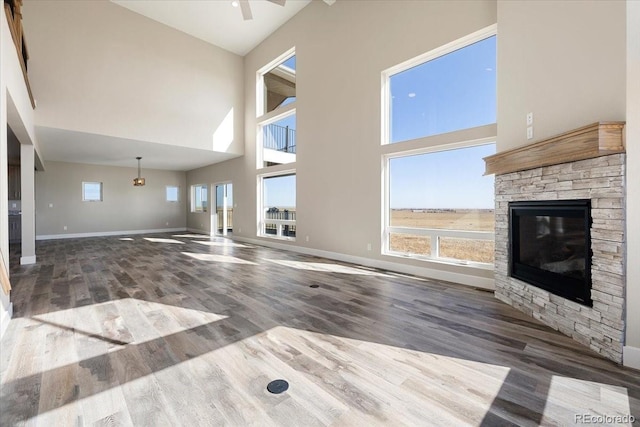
530, 132
307, 238
14, 205
529, 119
368, 246
239, 230
64, 228
50, 205
167, 223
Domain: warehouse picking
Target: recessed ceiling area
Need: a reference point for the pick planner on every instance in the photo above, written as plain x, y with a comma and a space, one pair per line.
218, 21
80, 147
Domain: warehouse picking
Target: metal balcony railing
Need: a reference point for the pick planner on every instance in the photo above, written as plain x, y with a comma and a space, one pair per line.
279, 138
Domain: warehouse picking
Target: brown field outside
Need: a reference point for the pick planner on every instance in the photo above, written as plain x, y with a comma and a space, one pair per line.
460, 219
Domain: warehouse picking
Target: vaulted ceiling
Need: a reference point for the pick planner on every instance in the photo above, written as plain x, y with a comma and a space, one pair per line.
218, 21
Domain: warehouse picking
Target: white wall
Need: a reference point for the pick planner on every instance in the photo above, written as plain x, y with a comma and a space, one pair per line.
99, 68
341, 51
562, 60
124, 207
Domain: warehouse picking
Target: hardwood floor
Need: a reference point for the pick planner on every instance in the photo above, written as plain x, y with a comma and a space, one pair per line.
179, 329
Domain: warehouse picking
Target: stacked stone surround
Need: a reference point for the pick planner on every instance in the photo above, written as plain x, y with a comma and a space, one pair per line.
600, 179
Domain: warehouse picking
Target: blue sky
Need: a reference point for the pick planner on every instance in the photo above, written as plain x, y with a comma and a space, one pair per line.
453, 92
280, 192
434, 180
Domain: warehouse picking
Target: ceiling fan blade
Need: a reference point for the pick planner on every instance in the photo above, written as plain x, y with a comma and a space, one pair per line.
278, 2
245, 8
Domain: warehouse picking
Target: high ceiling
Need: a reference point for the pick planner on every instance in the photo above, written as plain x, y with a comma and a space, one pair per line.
80, 147
215, 21
218, 21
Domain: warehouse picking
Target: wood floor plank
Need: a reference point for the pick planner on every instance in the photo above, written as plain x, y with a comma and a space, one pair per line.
149, 332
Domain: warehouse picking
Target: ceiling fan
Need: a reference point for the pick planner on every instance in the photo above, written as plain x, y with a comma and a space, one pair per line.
245, 7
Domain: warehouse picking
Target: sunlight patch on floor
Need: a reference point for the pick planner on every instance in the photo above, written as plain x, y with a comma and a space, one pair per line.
326, 267
103, 327
192, 236
159, 240
225, 243
218, 258
126, 239
586, 399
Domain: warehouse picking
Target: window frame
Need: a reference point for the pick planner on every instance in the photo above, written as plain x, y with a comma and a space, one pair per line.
193, 198
85, 199
261, 210
264, 118
166, 194
463, 138
438, 52
433, 233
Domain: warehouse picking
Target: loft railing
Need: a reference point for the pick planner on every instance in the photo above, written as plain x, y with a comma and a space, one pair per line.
279, 138
13, 11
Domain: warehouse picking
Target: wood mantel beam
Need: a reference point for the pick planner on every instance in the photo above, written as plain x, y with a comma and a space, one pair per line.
595, 140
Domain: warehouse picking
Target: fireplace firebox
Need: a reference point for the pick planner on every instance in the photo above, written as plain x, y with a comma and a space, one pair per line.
550, 246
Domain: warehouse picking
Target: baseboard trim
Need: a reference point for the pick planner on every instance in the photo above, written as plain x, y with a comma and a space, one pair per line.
631, 357
197, 230
463, 279
6, 318
107, 233
26, 260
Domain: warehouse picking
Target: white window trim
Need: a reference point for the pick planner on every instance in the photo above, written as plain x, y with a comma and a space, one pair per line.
193, 199
266, 118
260, 82
84, 199
165, 193
214, 212
464, 138
287, 111
260, 207
460, 43
434, 233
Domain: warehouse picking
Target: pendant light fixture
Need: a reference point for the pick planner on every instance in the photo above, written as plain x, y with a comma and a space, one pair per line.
138, 182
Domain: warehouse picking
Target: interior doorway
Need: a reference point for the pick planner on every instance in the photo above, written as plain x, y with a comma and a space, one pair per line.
224, 208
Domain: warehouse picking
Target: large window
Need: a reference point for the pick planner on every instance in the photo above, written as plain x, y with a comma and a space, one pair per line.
276, 113
91, 191
278, 206
438, 204
448, 93
199, 198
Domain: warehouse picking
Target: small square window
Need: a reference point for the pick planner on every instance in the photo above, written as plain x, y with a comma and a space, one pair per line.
172, 193
91, 191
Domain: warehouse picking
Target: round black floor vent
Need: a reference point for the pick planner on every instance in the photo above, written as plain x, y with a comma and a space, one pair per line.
278, 386
314, 286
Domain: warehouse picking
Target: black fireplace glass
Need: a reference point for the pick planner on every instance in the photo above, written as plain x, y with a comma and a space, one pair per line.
551, 247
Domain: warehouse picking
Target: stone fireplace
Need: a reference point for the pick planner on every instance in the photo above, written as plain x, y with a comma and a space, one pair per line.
571, 280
